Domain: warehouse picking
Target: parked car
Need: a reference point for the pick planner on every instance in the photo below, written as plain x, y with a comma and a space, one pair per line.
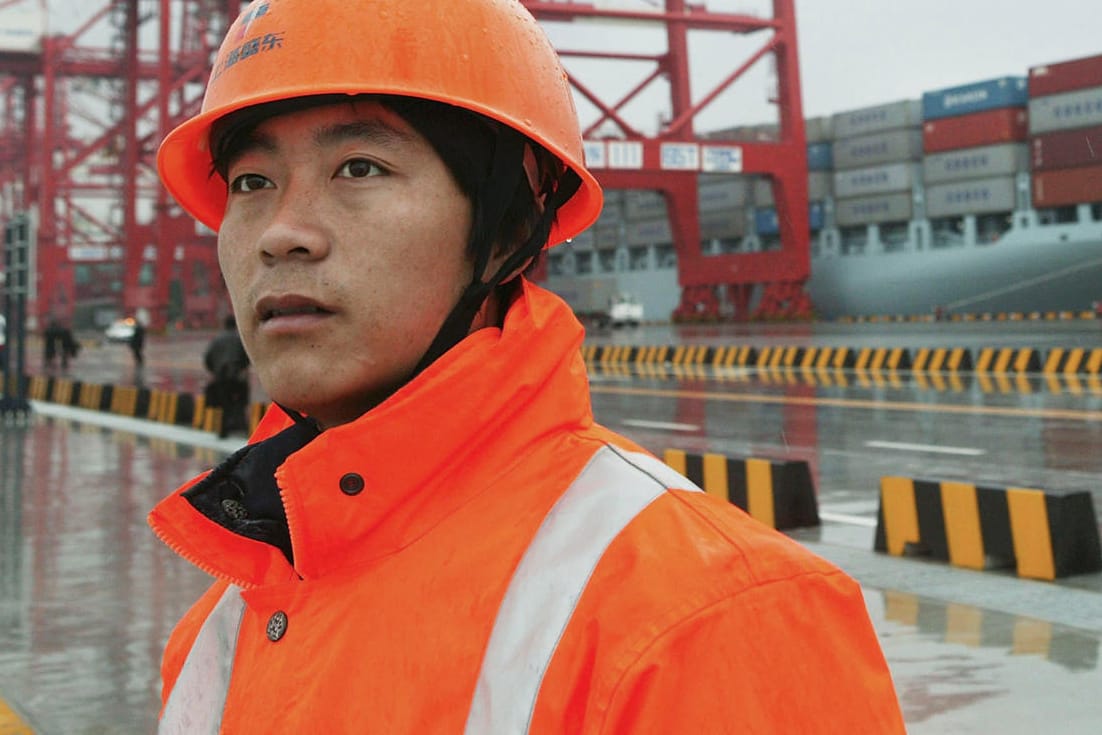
624, 310
120, 330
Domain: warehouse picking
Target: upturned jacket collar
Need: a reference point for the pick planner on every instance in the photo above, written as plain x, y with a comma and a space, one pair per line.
368, 488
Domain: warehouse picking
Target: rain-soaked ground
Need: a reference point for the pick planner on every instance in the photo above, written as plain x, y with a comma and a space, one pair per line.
88, 595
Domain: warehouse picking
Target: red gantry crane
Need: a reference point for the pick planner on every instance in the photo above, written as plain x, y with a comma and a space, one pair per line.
83, 113
770, 282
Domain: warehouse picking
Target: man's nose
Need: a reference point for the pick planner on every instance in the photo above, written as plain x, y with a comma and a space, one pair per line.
295, 231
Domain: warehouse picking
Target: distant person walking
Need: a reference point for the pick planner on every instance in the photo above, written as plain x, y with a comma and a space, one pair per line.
59, 344
137, 343
228, 363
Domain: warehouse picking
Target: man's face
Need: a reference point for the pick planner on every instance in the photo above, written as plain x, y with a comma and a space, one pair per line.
343, 247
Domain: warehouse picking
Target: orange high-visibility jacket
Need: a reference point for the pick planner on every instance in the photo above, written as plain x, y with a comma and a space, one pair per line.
476, 555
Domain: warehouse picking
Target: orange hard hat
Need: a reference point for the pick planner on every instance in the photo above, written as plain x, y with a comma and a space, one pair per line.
488, 56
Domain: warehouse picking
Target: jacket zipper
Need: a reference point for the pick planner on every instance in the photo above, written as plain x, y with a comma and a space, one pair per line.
195, 561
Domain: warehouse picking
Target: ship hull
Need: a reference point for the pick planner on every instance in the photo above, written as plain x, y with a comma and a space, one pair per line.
1054, 268
1030, 269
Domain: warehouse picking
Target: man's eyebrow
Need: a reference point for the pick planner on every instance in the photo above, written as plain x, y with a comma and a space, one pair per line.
254, 140
374, 131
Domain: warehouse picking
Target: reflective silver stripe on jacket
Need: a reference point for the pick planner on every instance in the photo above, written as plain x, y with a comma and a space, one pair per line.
195, 705
612, 490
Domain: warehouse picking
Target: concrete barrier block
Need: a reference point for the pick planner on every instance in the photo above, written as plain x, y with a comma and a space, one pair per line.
779, 493
185, 409
941, 359
1042, 534
1007, 360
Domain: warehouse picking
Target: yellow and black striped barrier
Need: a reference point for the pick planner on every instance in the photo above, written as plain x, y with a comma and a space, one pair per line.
777, 493
1007, 360
882, 358
11, 723
1043, 534
982, 360
1001, 316
1074, 360
167, 407
940, 359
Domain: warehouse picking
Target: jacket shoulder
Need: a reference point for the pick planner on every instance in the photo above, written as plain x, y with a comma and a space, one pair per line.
699, 618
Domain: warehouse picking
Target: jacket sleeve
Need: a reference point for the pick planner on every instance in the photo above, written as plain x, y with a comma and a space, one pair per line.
794, 656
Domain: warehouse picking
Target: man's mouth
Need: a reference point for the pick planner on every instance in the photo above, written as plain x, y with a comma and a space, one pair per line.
276, 308
292, 311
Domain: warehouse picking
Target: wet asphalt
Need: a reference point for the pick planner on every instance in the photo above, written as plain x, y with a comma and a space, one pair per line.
88, 596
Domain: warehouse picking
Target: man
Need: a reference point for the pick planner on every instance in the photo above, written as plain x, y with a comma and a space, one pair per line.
58, 341
136, 343
226, 361
428, 533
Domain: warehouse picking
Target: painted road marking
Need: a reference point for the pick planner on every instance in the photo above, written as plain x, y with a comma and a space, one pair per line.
848, 519
664, 425
931, 448
913, 407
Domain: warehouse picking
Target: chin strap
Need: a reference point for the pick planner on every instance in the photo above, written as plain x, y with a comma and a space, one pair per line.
506, 170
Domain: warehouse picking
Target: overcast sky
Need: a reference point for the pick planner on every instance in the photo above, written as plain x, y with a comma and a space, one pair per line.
855, 53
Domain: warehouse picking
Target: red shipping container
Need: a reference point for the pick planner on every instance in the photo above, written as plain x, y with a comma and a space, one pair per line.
1067, 186
1067, 149
1005, 125
1065, 76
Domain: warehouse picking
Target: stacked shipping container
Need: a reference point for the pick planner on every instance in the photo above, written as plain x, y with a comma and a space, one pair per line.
875, 150
1065, 125
974, 170
958, 152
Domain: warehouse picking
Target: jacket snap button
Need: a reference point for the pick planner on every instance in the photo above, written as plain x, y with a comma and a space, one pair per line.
352, 484
277, 626
234, 509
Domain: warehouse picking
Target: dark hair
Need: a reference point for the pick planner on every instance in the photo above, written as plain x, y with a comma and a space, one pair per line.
465, 141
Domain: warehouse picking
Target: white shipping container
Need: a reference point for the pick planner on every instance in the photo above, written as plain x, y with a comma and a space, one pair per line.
720, 225
902, 114
820, 185
721, 192
874, 180
1078, 109
613, 197
977, 196
819, 129
22, 28
652, 232
762, 191
643, 204
986, 161
606, 235
874, 209
904, 144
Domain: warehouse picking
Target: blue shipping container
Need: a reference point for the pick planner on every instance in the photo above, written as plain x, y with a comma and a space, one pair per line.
820, 156
993, 94
765, 219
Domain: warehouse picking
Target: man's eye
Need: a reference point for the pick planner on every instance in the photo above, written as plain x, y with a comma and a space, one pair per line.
249, 182
359, 168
